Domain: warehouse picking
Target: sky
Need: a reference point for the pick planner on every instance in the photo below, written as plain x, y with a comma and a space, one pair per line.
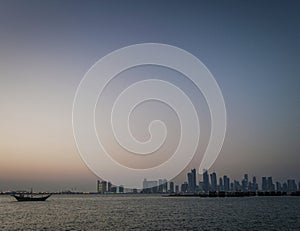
46, 47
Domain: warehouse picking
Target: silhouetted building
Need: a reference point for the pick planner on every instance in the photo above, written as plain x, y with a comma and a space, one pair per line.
292, 186
121, 189
205, 181
113, 189
165, 186
226, 183
101, 187
213, 180
171, 187
221, 186
254, 184
285, 187
264, 184
271, 186
149, 186
245, 183
278, 187
161, 185
237, 186
184, 187
109, 187
192, 180
232, 187
177, 188
267, 184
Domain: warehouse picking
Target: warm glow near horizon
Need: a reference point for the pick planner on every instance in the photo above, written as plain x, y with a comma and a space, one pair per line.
47, 49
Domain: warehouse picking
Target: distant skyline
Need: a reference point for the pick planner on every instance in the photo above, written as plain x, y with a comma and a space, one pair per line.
251, 47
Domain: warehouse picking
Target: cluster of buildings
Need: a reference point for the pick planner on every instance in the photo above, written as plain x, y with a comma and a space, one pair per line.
211, 183
104, 187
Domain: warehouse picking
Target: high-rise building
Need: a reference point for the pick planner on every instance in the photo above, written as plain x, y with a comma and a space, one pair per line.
213, 180
109, 187
113, 189
231, 186
292, 186
254, 184
177, 188
221, 186
104, 186
245, 183
271, 186
205, 181
121, 189
101, 187
278, 187
184, 187
171, 187
226, 183
160, 185
165, 186
267, 184
237, 186
264, 185
189, 177
149, 186
192, 180
285, 187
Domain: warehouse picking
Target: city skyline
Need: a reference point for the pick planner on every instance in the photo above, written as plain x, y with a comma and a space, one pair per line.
211, 183
251, 48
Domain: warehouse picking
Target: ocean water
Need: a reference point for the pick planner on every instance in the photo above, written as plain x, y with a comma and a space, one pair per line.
140, 212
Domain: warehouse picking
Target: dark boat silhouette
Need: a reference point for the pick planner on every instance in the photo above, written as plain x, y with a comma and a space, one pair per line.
30, 197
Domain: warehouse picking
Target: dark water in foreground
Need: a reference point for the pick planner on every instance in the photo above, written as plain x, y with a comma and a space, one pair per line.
137, 212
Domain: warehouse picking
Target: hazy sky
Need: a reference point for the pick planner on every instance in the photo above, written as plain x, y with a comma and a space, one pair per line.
251, 47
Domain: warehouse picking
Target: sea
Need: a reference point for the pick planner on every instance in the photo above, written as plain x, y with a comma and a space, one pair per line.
150, 212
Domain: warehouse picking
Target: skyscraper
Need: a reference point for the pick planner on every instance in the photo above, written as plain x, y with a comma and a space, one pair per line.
171, 187
213, 179
165, 186
184, 187
205, 181
226, 183
245, 183
149, 186
278, 187
292, 186
101, 186
264, 184
160, 185
221, 186
109, 186
192, 180
121, 189
104, 186
255, 185
177, 188
271, 186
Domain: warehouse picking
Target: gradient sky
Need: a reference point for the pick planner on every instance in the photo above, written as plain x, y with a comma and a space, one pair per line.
251, 47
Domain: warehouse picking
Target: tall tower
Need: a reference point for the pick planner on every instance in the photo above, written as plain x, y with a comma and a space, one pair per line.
205, 181
213, 180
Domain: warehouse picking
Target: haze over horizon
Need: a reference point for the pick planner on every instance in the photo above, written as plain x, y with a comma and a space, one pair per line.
251, 48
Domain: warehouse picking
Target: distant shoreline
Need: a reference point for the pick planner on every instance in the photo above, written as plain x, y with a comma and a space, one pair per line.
200, 195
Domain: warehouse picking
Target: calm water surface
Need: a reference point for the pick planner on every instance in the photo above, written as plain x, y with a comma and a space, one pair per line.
137, 212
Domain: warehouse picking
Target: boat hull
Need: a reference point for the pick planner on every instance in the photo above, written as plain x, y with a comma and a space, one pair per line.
28, 198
